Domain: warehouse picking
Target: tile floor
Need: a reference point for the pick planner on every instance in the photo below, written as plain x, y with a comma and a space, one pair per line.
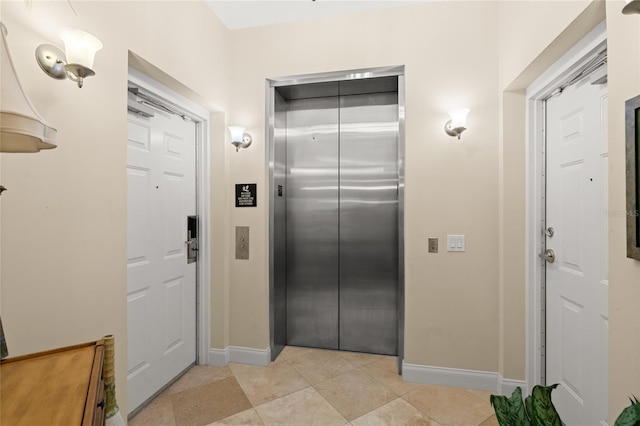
306, 387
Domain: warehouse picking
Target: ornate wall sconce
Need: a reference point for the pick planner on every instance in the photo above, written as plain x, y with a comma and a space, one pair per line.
458, 122
239, 138
77, 63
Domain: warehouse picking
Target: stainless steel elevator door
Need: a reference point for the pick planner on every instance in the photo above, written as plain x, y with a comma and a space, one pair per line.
341, 198
312, 222
369, 223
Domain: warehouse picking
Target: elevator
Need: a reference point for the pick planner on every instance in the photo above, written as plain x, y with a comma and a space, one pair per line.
335, 215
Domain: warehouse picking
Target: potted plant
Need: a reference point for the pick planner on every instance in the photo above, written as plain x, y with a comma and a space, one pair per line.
538, 409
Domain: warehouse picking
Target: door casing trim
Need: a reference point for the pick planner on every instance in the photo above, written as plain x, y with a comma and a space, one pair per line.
200, 116
535, 196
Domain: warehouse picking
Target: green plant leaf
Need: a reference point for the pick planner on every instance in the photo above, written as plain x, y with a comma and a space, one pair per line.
528, 405
517, 413
510, 411
500, 404
543, 413
630, 416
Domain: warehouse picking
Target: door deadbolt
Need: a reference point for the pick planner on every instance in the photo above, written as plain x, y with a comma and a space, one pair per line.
549, 256
549, 232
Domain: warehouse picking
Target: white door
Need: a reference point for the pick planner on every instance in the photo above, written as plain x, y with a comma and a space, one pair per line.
577, 281
161, 285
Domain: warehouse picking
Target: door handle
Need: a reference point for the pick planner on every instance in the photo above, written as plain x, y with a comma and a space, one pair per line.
188, 243
192, 248
549, 256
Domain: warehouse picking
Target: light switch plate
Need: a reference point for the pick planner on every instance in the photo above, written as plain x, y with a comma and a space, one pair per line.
433, 245
456, 243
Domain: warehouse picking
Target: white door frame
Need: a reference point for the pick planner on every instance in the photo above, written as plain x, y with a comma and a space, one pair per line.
200, 116
536, 94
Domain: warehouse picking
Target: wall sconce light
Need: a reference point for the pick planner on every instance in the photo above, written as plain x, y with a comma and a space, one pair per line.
631, 6
77, 64
21, 127
239, 138
458, 122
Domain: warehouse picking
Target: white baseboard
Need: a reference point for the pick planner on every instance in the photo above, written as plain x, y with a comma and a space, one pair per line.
414, 373
460, 378
507, 386
240, 355
218, 356
455, 377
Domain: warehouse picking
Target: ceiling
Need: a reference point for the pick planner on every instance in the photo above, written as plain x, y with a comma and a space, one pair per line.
253, 13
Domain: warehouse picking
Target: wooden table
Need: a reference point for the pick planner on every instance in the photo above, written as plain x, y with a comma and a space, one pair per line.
58, 387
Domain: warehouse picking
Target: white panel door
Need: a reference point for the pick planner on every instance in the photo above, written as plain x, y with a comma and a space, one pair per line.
577, 281
161, 285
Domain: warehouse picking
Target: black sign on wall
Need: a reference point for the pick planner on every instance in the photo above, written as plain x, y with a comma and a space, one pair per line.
246, 195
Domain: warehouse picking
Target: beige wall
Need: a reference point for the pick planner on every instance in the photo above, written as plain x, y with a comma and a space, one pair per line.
64, 216
511, 257
451, 186
528, 29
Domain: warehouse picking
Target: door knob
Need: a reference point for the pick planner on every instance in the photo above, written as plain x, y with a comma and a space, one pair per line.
549, 255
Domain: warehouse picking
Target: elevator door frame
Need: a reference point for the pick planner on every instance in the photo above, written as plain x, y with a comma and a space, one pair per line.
272, 192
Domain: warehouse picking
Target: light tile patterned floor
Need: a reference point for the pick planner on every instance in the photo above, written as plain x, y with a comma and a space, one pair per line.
306, 387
